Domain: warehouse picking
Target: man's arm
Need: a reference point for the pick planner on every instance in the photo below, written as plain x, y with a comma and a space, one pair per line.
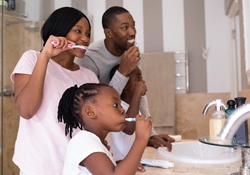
118, 82
88, 63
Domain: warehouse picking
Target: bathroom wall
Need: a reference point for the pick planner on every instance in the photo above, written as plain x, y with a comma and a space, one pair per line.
190, 122
177, 113
199, 27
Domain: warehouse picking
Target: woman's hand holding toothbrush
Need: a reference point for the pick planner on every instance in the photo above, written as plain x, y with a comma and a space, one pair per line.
60, 44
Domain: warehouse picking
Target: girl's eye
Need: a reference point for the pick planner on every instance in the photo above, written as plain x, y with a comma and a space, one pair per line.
116, 105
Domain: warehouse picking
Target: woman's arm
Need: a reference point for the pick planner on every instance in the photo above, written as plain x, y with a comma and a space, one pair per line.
29, 89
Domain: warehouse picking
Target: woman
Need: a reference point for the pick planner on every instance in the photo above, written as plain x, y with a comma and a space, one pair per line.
40, 78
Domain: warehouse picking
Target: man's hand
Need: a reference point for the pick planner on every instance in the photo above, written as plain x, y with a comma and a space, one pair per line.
161, 140
129, 61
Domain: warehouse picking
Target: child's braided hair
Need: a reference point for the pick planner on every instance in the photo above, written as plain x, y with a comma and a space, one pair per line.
70, 105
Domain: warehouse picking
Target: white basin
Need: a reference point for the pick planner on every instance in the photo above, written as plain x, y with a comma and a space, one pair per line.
199, 153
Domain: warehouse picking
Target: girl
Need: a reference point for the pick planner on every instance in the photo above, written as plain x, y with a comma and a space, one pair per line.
97, 108
40, 78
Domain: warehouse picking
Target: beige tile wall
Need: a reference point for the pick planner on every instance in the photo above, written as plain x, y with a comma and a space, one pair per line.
190, 122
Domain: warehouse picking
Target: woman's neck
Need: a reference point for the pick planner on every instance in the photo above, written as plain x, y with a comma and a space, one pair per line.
66, 62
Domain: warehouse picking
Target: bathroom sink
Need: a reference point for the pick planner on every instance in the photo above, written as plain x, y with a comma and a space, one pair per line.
199, 153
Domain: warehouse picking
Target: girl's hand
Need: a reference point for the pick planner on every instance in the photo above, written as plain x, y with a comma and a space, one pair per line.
60, 44
143, 127
141, 168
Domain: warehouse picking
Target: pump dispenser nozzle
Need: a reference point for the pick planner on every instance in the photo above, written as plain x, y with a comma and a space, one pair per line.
218, 104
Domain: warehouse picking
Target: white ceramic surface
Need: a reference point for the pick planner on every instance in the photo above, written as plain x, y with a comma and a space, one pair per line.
200, 153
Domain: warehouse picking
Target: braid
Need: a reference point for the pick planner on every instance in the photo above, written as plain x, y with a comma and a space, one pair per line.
65, 112
69, 108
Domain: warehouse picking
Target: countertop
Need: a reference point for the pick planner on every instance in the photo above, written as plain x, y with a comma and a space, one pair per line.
185, 168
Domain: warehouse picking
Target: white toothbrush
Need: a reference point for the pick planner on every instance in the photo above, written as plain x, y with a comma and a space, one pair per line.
78, 47
157, 163
136, 43
73, 46
130, 119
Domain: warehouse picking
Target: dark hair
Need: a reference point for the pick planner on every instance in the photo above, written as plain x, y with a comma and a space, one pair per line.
70, 105
112, 72
110, 14
60, 22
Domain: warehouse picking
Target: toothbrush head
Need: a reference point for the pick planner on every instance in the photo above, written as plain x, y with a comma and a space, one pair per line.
133, 41
130, 119
79, 47
136, 43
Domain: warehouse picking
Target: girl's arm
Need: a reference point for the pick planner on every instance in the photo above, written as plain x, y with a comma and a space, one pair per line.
99, 164
133, 110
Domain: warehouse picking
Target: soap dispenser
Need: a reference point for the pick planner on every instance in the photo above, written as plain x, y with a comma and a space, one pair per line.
231, 107
217, 119
242, 133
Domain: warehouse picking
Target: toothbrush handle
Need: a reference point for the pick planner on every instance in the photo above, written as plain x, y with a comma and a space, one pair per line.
54, 42
130, 119
73, 46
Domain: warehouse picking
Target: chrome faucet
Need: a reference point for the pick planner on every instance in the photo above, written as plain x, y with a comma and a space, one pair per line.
239, 116
234, 121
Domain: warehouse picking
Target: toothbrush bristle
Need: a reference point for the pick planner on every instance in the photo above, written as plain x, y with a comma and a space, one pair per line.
80, 47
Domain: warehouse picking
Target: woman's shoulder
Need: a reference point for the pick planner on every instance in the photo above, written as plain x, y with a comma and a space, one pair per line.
30, 54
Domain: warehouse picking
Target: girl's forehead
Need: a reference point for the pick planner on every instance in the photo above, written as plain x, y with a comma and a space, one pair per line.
109, 91
105, 90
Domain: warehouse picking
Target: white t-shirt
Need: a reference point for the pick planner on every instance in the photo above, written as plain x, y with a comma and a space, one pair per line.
41, 142
81, 146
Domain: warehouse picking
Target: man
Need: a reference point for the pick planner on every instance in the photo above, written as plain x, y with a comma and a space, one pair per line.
118, 47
